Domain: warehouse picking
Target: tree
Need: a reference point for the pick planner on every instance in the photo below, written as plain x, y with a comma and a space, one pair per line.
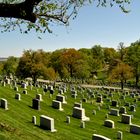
31, 65
133, 58
121, 72
70, 59
38, 14
10, 66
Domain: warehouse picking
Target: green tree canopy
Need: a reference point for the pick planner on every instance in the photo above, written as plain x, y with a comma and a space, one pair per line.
39, 14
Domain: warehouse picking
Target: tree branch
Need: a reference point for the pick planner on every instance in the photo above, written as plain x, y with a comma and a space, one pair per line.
22, 10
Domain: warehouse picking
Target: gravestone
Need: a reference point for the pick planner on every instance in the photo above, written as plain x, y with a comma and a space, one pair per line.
3, 84
119, 135
122, 110
74, 94
132, 108
80, 114
17, 96
16, 88
135, 129
84, 100
45, 90
3, 103
114, 112
94, 112
50, 87
47, 123
23, 85
127, 104
114, 103
82, 125
78, 105
106, 116
36, 104
61, 98
52, 91
126, 119
39, 97
99, 137
99, 99
24, 91
34, 120
60, 91
68, 119
57, 105
109, 123
7, 81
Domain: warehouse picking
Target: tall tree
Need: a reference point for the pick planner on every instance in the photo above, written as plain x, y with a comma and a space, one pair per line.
133, 58
10, 66
70, 59
38, 14
31, 65
121, 72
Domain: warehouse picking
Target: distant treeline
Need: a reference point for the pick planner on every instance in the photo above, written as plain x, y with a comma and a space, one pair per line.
92, 65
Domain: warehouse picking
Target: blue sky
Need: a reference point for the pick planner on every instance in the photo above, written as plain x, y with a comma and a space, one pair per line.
104, 26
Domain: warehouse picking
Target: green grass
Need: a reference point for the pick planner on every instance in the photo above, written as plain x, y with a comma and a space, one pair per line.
15, 123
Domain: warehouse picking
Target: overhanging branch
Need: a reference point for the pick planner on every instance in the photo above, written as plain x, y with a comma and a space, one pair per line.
22, 10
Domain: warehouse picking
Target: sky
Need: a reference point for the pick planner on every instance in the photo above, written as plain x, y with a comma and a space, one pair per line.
93, 26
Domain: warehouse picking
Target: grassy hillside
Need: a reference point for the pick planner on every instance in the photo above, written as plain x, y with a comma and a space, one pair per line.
15, 123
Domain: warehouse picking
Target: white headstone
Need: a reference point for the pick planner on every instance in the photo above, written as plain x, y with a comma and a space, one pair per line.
47, 123
80, 114
57, 104
3, 103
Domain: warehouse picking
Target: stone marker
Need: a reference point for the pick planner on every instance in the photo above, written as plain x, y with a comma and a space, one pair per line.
47, 123
23, 85
68, 119
106, 116
122, 110
61, 98
119, 135
24, 91
3, 103
52, 91
57, 105
80, 114
17, 96
34, 120
16, 88
73, 94
132, 108
135, 129
126, 119
114, 103
36, 104
60, 91
84, 100
99, 137
99, 99
109, 123
3, 84
127, 104
114, 112
82, 125
94, 112
39, 97
78, 105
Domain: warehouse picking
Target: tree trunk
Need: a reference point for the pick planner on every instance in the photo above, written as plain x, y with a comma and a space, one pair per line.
122, 84
22, 10
137, 80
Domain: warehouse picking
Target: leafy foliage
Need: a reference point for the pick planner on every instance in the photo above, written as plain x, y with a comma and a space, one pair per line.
47, 13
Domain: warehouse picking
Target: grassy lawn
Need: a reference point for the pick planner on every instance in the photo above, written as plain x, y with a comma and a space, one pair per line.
15, 123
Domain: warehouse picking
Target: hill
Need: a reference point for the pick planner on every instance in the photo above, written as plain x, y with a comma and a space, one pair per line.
16, 122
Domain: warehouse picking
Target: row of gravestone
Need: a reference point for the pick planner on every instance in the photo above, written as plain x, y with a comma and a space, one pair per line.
79, 113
